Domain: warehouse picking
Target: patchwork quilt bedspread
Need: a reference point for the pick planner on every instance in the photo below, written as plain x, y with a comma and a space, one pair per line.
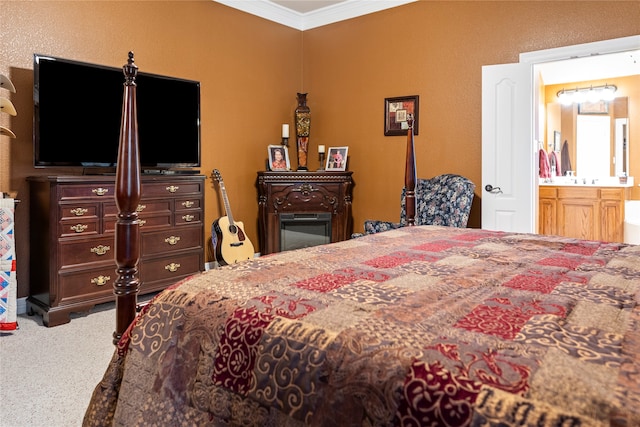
416, 326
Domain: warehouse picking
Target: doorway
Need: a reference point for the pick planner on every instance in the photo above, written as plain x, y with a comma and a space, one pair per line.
492, 125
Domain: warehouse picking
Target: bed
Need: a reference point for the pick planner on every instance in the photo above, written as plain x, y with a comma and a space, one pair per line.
422, 325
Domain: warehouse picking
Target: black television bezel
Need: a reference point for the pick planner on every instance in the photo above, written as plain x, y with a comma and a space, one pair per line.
90, 167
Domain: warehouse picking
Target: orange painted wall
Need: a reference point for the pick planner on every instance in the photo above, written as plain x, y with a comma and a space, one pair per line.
251, 69
435, 49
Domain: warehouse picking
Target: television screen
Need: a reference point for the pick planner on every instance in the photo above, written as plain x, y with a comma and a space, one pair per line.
78, 110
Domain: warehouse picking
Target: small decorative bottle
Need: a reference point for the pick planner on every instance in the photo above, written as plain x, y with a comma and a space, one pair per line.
303, 123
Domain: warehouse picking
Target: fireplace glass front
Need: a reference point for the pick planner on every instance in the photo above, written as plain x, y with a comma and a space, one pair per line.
302, 230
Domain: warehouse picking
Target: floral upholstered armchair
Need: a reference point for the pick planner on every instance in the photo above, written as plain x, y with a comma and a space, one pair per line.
441, 200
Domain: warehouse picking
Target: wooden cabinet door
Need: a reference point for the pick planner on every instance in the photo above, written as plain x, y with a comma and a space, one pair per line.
611, 223
579, 218
547, 211
612, 202
547, 217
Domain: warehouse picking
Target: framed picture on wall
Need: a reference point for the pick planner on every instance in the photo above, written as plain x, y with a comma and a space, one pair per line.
278, 158
396, 112
337, 159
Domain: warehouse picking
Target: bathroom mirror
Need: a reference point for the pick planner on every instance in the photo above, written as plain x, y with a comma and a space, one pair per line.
598, 142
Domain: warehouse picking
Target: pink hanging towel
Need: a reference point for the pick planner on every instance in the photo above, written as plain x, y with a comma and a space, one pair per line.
545, 169
556, 161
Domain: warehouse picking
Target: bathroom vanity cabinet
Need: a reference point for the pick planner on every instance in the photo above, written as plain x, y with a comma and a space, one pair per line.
593, 213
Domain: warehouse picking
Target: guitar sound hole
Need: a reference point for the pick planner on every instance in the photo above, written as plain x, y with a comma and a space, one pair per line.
233, 229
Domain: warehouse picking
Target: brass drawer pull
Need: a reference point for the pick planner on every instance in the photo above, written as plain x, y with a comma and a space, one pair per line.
79, 211
142, 222
101, 280
187, 203
172, 240
100, 250
172, 188
173, 267
79, 228
188, 218
140, 208
100, 191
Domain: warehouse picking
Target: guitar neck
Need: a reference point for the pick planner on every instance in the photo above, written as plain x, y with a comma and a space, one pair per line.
227, 206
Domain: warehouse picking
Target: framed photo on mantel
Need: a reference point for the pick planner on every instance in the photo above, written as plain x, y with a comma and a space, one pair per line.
278, 158
337, 159
396, 111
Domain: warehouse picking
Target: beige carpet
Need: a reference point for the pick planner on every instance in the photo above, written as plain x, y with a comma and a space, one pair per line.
47, 375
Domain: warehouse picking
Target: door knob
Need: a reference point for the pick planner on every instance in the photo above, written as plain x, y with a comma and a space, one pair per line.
491, 189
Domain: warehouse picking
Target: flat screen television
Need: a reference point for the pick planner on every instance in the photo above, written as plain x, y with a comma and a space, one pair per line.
78, 110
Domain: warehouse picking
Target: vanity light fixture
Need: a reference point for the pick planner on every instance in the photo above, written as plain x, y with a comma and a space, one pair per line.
591, 94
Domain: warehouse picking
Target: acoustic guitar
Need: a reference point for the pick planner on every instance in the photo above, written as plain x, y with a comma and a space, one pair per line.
229, 239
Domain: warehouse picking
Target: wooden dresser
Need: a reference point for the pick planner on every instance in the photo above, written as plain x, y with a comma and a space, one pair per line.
284, 193
72, 239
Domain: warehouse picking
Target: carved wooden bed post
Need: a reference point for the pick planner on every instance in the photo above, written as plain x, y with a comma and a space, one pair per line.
410, 176
127, 231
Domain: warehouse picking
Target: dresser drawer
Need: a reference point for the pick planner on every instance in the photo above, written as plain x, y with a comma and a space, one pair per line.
73, 253
159, 242
77, 227
188, 203
87, 284
79, 210
145, 221
154, 206
188, 217
86, 191
176, 188
145, 206
154, 221
171, 267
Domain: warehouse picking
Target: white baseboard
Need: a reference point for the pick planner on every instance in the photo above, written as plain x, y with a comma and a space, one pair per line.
21, 305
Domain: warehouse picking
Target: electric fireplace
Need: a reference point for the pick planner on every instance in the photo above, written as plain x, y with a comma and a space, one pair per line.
297, 209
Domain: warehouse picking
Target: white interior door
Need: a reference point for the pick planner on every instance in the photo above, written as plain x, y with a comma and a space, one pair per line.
508, 160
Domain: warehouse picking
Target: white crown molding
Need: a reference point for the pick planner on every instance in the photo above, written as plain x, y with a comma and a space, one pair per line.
305, 21
582, 50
